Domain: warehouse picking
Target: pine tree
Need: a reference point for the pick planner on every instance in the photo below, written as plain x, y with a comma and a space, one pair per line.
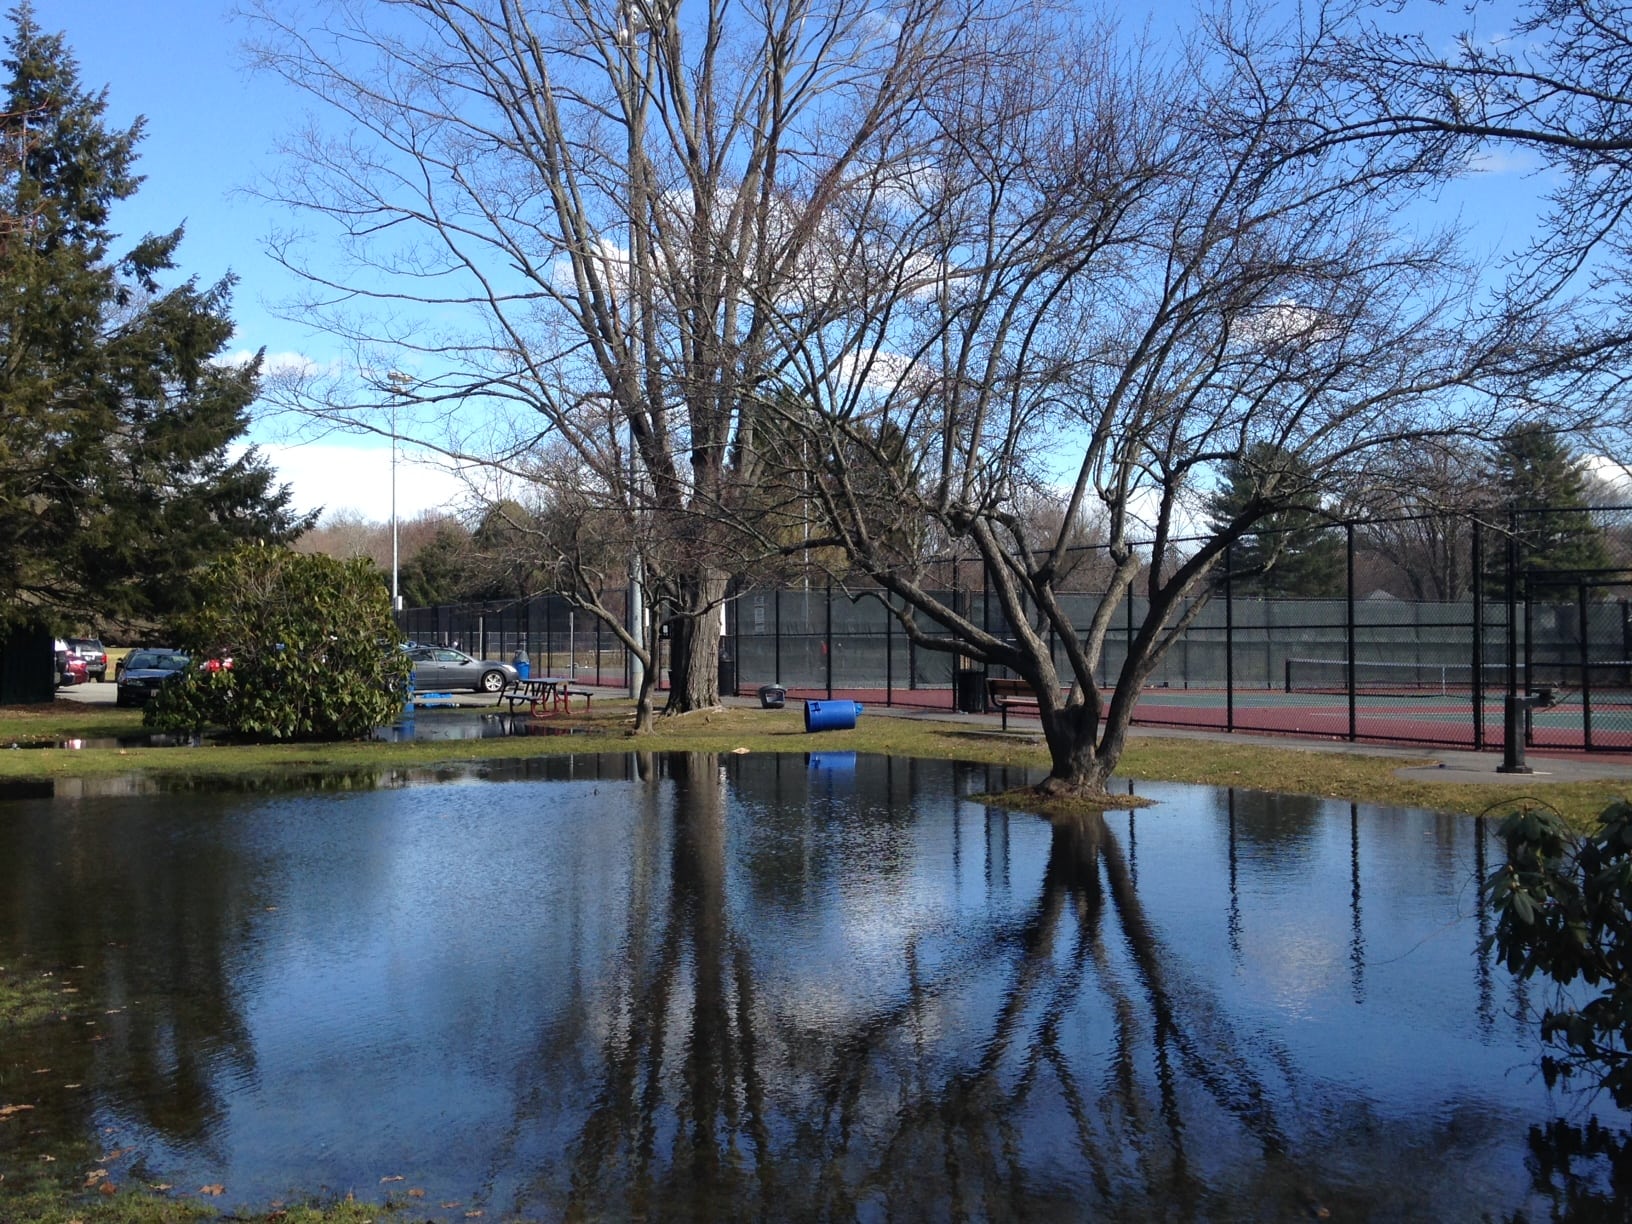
1541, 479
1294, 550
116, 414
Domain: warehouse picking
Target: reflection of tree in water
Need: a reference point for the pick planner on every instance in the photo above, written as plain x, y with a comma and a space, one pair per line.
140, 934
1063, 1062
1562, 1161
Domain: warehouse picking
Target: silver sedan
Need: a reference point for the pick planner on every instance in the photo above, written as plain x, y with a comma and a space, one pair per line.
442, 669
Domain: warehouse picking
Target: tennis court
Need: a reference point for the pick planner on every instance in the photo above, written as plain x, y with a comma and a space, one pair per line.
1597, 718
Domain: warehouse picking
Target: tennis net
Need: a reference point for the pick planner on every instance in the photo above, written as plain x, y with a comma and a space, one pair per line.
1606, 680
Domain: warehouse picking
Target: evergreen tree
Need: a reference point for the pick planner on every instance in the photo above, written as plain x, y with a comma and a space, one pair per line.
1294, 551
441, 571
1541, 479
116, 415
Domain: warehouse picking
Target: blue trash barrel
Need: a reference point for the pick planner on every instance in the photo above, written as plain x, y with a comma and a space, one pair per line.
522, 665
831, 715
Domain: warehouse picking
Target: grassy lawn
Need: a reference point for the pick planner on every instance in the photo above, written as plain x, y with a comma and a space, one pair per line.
1289, 770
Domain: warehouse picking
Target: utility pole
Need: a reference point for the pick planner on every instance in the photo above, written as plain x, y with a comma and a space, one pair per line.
400, 383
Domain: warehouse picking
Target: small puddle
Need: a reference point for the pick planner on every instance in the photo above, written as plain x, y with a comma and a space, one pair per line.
462, 727
432, 729
154, 739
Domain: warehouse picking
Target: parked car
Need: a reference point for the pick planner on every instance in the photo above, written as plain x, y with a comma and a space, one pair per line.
96, 658
70, 667
439, 668
144, 671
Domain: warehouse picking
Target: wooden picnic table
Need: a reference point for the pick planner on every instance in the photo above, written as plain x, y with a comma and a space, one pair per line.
543, 695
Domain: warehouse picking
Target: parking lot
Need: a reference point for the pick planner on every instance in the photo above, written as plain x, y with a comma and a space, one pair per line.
93, 692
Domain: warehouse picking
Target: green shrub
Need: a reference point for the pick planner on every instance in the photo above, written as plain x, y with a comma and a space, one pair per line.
313, 649
1561, 902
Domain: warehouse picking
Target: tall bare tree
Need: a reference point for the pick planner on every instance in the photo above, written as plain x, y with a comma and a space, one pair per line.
1137, 274
1555, 83
603, 222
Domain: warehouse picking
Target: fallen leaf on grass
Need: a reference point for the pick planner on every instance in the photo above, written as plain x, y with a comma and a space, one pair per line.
214, 1189
450, 1206
108, 1188
390, 1178
94, 1176
72, 1086
7, 1110
416, 1193
158, 1187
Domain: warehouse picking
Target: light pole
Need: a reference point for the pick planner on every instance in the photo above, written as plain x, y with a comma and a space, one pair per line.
629, 29
400, 383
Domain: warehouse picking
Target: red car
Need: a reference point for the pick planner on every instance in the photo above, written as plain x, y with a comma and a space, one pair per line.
71, 669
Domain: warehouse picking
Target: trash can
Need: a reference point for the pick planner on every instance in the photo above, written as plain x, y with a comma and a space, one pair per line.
971, 686
831, 715
522, 666
728, 678
772, 696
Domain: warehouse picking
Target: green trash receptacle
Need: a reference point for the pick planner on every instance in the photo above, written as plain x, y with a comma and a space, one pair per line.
971, 691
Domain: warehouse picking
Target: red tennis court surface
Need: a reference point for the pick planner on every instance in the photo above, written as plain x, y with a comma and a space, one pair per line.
1447, 720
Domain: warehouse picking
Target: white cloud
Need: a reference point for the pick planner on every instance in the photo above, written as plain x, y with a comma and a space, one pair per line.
339, 478
278, 363
1504, 161
1612, 475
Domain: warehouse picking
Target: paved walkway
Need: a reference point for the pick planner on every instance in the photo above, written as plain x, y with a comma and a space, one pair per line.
1433, 764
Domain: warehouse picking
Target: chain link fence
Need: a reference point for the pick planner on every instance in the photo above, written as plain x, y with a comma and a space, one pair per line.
1413, 630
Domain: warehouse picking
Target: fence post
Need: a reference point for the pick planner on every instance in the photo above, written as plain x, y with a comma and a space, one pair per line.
828, 640
1513, 712
1349, 628
1229, 637
1478, 635
889, 653
776, 636
1586, 661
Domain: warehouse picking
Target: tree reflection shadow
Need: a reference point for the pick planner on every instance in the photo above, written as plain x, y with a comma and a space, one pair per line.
966, 1094
1585, 1171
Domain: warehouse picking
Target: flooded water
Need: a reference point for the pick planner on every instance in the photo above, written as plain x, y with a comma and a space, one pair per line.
690, 987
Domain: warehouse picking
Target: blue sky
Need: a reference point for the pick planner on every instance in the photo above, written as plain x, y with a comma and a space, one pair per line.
213, 129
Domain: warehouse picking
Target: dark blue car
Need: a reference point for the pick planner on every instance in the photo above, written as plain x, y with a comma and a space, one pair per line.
144, 671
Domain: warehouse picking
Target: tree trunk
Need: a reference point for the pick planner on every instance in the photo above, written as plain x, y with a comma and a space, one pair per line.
1080, 764
694, 645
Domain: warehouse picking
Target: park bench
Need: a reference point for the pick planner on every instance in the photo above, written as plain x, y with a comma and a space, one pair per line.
1009, 695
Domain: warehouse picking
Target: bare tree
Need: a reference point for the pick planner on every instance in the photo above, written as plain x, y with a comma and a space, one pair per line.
603, 222
1555, 84
1420, 507
1132, 277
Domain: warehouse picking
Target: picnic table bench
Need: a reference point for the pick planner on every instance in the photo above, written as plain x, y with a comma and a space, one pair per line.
1009, 695
543, 695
